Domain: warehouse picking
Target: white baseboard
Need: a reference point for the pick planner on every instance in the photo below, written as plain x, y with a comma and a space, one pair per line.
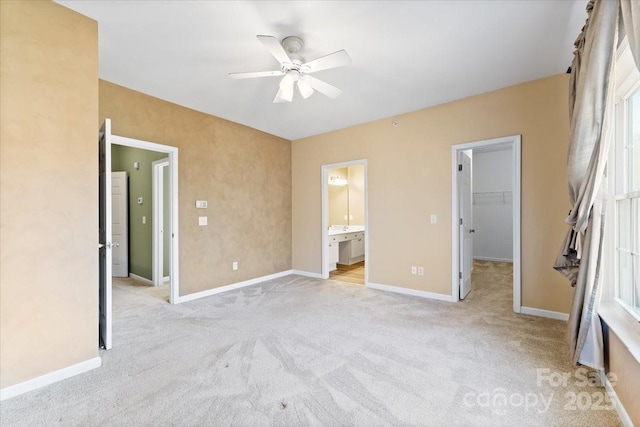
50, 378
622, 413
140, 279
166, 279
544, 313
486, 258
231, 287
407, 291
307, 274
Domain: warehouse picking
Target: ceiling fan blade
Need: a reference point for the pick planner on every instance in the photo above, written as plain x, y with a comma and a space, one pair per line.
275, 48
252, 75
322, 87
332, 60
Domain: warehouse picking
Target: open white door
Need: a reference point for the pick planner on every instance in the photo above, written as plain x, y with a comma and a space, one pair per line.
160, 230
120, 226
466, 223
104, 232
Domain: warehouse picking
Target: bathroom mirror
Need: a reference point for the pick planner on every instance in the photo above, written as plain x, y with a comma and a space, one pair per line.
346, 196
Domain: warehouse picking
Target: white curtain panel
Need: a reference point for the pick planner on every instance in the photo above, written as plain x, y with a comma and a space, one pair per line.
590, 108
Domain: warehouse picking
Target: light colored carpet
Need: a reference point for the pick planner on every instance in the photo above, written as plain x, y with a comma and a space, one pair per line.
300, 351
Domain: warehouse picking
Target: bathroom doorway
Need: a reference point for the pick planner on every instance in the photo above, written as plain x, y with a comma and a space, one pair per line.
345, 222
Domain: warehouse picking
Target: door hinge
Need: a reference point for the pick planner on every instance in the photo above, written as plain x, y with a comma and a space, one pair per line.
460, 221
459, 167
460, 275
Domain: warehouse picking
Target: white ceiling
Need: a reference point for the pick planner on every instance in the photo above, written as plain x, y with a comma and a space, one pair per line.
407, 55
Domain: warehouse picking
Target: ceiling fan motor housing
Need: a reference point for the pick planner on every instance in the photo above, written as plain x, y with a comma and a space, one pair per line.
292, 45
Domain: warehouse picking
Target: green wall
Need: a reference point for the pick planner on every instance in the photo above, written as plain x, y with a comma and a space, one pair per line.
140, 185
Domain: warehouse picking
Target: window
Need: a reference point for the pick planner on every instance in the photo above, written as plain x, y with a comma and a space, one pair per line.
624, 169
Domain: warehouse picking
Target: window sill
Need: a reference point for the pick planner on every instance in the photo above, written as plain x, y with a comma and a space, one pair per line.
623, 325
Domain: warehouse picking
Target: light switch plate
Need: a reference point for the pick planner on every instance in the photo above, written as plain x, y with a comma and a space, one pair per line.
140, 200
202, 220
434, 218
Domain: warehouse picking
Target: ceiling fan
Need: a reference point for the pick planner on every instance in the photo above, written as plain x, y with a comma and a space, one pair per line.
295, 70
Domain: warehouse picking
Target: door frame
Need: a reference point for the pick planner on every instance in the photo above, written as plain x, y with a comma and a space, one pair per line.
513, 142
157, 219
324, 174
172, 154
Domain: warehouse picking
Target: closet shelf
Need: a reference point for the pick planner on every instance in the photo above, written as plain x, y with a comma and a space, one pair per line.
493, 198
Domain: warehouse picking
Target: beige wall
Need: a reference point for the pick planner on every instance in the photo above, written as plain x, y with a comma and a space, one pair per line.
48, 189
244, 174
409, 176
627, 373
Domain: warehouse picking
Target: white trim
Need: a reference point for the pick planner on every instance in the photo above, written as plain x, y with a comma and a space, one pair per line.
174, 292
307, 274
617, 404
486, 258
624, 326
166, 279
544, 313
514, 141
324, 174
233, 286
407, 291
141, 279
50, 378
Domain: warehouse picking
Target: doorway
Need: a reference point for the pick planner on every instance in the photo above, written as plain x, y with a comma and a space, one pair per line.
105, 141
345, 229
464, 200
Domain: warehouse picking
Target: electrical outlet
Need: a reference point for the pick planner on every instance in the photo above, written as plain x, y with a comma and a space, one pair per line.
234, 265
420, 271
202, 220
414, 269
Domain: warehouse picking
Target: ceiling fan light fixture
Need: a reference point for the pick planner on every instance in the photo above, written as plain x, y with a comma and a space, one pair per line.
305, 88
289, 78
286, 86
